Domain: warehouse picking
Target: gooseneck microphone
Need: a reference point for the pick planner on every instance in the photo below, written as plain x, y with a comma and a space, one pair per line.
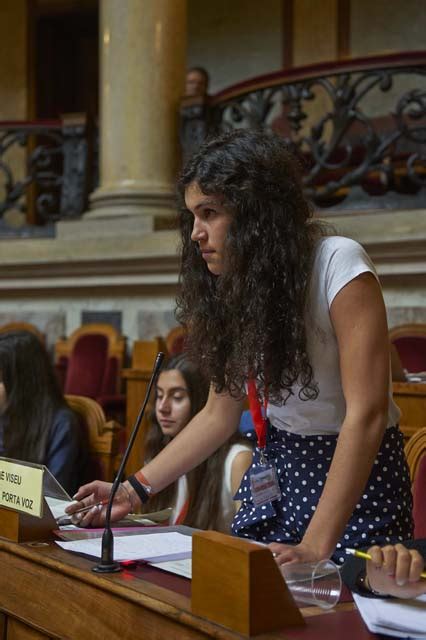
107, 564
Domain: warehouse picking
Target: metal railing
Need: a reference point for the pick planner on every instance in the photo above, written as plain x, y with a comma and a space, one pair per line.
44, 168
358, 127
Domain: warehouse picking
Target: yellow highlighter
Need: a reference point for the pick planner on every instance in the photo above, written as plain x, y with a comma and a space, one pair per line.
366, 556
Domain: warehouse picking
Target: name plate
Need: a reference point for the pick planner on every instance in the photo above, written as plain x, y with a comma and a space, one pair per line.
21, 487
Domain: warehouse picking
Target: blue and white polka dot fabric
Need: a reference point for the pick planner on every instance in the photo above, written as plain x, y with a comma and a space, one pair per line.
383, 514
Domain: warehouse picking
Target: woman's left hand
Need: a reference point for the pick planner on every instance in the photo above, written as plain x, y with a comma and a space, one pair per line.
301, 552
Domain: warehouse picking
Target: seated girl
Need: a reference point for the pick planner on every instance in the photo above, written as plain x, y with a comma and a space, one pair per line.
36, 424
204, 497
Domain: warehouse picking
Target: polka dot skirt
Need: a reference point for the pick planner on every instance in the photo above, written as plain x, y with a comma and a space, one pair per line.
383, 514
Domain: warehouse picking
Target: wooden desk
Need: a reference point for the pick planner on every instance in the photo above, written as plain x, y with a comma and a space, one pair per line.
46, 592
411, 399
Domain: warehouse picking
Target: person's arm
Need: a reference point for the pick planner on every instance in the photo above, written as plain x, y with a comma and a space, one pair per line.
359, 320
240, 464
205, 433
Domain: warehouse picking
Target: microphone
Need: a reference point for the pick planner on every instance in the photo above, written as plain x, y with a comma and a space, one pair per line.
107, 564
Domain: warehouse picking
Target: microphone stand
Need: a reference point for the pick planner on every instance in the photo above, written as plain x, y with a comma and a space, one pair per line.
107, 563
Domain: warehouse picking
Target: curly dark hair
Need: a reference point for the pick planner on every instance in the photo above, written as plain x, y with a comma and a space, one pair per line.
250, 320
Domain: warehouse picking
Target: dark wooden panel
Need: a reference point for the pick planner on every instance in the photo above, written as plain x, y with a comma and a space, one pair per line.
19, 631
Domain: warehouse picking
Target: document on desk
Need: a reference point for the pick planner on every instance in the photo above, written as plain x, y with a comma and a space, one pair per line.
151, 547
57, 507
179, 567
394, 617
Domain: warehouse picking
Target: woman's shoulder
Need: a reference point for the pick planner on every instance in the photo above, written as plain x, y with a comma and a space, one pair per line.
338, 257
328, 245
238, 447
65, 421
65, 415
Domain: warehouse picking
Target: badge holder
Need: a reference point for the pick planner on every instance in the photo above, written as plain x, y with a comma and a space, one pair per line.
264, 482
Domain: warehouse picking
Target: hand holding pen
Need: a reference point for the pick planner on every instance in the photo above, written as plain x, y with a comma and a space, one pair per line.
87, 509
394, 570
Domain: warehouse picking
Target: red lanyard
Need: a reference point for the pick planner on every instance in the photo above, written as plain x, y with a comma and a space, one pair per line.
259, 418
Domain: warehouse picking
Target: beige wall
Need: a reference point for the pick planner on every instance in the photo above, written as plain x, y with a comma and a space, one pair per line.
235, 40
13, 59
13, 74
385, 26
314, 31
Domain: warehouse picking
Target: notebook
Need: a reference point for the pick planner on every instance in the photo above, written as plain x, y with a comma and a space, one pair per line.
393, 616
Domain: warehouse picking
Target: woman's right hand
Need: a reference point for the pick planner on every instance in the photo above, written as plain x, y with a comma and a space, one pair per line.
91, 495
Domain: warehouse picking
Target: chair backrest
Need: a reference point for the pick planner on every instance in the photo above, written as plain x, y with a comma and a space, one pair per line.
410, 342
175, 341
103, 437
91, 360
145, 351
415, 451
23, 326
419, 499
398, 373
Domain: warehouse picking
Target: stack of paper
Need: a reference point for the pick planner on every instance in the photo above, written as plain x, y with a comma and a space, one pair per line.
394, 617
151, 547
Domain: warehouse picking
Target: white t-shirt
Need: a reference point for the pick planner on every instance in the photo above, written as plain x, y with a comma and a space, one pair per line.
337, 261
227, 503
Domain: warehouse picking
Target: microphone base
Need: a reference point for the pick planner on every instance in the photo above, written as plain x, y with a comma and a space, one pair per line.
111, 567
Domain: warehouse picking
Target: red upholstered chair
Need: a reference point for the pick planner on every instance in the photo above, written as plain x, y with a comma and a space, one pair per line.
415, 451
410, 342
175, 341
89, 364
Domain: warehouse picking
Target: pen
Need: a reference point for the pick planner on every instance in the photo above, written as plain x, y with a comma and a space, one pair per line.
102, 503
366, 556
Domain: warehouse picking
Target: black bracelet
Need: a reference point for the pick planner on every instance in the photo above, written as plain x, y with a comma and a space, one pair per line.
136, 485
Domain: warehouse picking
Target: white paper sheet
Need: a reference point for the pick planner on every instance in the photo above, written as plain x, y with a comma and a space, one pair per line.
151, 547
57, 507
394, 617
180, 567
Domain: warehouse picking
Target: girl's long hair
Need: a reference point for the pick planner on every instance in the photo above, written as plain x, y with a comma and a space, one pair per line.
33, 395
205, 481
251, 318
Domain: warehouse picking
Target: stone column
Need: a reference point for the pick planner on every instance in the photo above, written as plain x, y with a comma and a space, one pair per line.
142, 68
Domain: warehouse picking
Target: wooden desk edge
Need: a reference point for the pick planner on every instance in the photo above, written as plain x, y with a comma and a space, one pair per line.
158, 599
409, 388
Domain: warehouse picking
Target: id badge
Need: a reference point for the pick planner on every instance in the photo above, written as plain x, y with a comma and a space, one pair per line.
264, 484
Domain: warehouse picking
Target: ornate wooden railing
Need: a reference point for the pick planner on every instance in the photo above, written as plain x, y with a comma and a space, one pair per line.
51, 177
358, 126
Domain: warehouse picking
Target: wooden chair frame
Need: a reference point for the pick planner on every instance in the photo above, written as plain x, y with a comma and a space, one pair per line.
415, 449
104, 437
407, 330
23, 326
